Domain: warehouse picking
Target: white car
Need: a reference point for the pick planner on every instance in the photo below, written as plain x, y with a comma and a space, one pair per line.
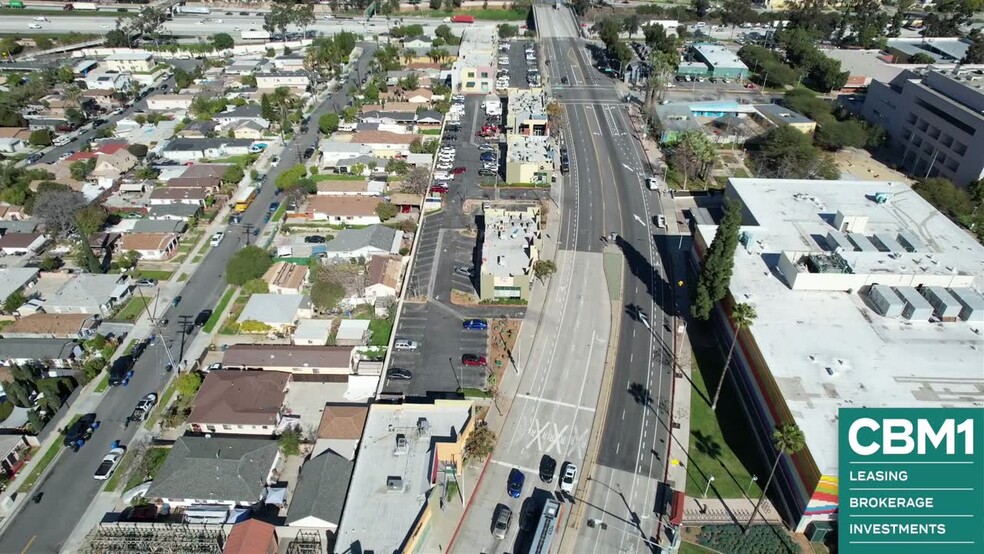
144, 406
405, 344
569, 478
445, 166
109, 463
33, 26
45, 19
217, 238
505, 46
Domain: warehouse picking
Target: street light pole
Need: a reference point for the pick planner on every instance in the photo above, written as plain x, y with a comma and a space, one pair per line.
749, 488
709, 481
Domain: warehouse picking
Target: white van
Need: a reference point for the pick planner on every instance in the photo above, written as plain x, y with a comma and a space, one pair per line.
61, 140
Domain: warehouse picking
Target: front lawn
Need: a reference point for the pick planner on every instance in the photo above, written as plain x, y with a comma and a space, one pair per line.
719, 443
380, 331
40, 464
219, 308
132, 310
158, 274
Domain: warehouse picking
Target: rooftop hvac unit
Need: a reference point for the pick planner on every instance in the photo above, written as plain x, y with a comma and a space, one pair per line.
886, 243
394, 483
972, 304
946, 307
910, 242
837, 242
423, 427
885, 301
916, 307
862, 242
401, 444
850, 223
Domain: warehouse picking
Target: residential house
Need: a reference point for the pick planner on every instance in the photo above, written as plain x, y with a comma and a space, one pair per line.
10, 212
52, 354
313, 332
89, 293
252, 537
151, 246
341, 428
239, 114
320, 492
12, 145
14, 450
167, 195
401, 474
22, 133
20, 244
389, 118
229, 471
297, 81
384, 277
106, 99
188, 149
286, 278
107, 81
199, 129
52, 326
289, 62
112, 162
210, 185
170, 102
239, 403
131, 62
245, 66
344, 210
158, 226
205, 171
297, 359
419, 96
176, 211
364, 242
361, 166
333, 152
17, 279
403, 107
429, 119
384, 144
352, 332
419, 42
277, 312
351, 188
247, 130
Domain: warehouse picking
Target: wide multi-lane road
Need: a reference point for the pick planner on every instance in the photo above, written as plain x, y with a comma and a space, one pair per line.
633, 445
69, 487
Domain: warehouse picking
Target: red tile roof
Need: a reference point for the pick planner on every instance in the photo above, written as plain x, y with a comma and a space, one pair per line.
111, 148
80, 156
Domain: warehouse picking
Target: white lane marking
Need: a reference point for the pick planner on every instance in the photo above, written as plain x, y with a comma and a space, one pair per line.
515, 466
555, 402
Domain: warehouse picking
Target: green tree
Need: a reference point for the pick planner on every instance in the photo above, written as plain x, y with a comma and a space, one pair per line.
290, 441
834, 135
138, 150
267, 111
233, 174
291, 177
543, 269
786, 153
700, 7
50, 262
14, 301
718, 264
90, 219
248, 263
128, 259
945, 196
921, 58
80, 169
948, 16
742, 315
328, 123
41, 137
326, 294
975, 52
18, 393
787, 439
507, 31
255, 286
826, 74
223, 41
386, 211
694, 155
117, 38
187, 384
480, 443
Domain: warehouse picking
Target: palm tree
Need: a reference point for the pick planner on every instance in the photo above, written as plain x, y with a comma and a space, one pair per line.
743, 315
408, 55
73, 93
788, 439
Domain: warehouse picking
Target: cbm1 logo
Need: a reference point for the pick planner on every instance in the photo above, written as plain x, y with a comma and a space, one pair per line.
899, 437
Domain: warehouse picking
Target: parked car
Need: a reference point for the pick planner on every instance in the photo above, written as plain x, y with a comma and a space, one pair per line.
175, 301
459, 170
527, 521
473, 360
569, 478
399, 374
502, 521
109, 462
548, 468
314, 239
405, 344
147, 283
440, 189
217, 238
514, 486
487, 172
308, 152
475, 324
142, 411
80, 431
273, 207
202, 317
121, 369
464, 271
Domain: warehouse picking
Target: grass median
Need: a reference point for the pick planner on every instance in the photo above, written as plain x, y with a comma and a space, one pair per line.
217, 312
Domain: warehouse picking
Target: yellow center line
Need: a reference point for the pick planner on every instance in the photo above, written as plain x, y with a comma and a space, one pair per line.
29, 543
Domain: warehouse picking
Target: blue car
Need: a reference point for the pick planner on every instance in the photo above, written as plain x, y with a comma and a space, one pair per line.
475, 324
487, 157
515, 484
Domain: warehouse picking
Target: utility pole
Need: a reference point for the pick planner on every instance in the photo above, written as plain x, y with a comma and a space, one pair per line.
248, 229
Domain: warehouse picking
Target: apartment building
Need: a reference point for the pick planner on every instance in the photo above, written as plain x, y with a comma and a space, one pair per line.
933, 117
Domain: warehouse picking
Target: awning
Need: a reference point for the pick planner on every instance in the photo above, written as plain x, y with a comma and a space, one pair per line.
276, 496
676, 513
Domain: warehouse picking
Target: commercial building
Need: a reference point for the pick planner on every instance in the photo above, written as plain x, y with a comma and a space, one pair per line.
845, 278
527, 114
932, 118
529, 159
511, 247
722, 121
406, 449
131, 62
707, 59
941, 49
474, 70
776, 115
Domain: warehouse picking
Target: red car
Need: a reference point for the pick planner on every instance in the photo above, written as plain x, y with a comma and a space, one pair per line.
473, 359
439, 189
459, 170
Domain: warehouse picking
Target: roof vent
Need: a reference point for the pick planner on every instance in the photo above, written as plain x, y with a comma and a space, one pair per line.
401, 445
394, 483
423, 427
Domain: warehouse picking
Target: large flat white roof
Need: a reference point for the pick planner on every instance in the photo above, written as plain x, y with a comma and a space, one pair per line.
378, 516
830, 348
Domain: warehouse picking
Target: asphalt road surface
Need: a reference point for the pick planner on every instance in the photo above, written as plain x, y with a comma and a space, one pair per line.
68, 488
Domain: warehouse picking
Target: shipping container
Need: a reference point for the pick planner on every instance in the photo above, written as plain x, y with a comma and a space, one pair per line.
462, 19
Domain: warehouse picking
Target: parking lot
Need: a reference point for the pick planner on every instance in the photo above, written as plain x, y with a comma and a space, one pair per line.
436, 362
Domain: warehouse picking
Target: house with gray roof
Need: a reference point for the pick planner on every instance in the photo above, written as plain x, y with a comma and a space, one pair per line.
229, 471
430, 117
333, 152
391, 118
320, 492
159, 226
365, 242
14, 279
89, 293
279, 312
176, 211
53, 354
247, 112
192, 149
